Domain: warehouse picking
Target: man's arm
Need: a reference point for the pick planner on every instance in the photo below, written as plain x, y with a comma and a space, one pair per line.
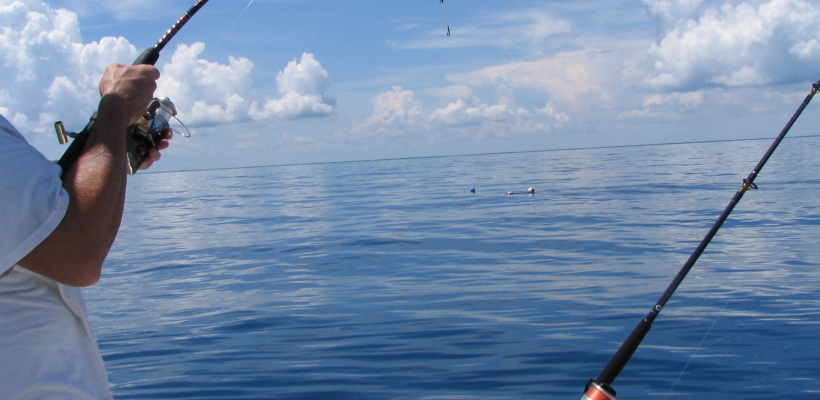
74, 253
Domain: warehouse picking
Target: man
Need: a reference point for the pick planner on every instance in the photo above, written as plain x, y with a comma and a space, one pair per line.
55, 236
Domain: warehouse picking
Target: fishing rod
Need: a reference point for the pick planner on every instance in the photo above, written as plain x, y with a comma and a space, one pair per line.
600, 388
144, 135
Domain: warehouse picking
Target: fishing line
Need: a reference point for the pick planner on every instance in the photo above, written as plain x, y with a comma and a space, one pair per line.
446, 18
246, 9
237, 19
700, 346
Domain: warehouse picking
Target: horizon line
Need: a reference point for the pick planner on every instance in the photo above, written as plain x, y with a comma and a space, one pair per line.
475, 154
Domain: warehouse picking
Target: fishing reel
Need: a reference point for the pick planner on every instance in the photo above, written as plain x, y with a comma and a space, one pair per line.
147, 133
142, 136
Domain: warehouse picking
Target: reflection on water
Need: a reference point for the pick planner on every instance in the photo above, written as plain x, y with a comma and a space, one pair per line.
389, 279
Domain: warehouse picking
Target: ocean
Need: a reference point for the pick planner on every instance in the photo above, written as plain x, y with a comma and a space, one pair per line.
391, 279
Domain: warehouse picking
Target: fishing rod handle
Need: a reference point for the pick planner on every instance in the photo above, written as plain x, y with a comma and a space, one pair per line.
77, 146
621, 357
148, 57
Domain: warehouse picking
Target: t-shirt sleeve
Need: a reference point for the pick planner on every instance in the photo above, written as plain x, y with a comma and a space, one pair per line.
32, 198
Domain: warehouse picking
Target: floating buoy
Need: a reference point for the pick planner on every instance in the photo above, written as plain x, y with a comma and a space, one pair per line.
531, 190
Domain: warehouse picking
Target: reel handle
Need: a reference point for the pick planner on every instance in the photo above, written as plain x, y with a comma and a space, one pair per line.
77, 146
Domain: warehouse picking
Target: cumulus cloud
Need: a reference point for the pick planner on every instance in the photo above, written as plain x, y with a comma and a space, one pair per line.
50, 74
47, 72
209, 92
667, 13
302, 86
552, 111
459, 113
204, 91
687, 100
394, 112
733, 45
569, 79
398, 112
665, 104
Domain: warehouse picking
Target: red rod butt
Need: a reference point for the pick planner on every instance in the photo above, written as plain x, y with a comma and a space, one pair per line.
596, 392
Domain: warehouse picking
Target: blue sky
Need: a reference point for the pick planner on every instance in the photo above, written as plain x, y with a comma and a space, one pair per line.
318, 81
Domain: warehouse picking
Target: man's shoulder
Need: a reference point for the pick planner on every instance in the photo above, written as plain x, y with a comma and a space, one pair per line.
16, 152
8, 130
11, 140
32, 196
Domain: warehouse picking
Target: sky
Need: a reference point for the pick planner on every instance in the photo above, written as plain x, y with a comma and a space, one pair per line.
271, 82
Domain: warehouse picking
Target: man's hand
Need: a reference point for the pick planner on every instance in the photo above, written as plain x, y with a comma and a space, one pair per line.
134, 87
129, 88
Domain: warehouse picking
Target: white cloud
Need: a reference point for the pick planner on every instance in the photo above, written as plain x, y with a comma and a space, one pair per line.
302, 86
667, 13
47, 72
459, 113
399, 112
208, 92
666, 105
688, 100
551, 111
394, 112
734, 45
573, 81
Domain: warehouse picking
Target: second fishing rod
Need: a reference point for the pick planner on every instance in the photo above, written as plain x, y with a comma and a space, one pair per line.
600, 388
145, 134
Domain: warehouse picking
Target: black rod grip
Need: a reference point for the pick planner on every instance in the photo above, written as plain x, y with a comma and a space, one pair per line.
624, 353
149, 56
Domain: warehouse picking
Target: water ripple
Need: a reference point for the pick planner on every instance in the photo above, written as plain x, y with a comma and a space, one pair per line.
390, 280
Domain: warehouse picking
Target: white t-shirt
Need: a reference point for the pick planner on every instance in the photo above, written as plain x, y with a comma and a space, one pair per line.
47, 350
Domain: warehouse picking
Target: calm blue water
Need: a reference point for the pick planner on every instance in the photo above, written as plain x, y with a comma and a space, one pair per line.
390, 280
